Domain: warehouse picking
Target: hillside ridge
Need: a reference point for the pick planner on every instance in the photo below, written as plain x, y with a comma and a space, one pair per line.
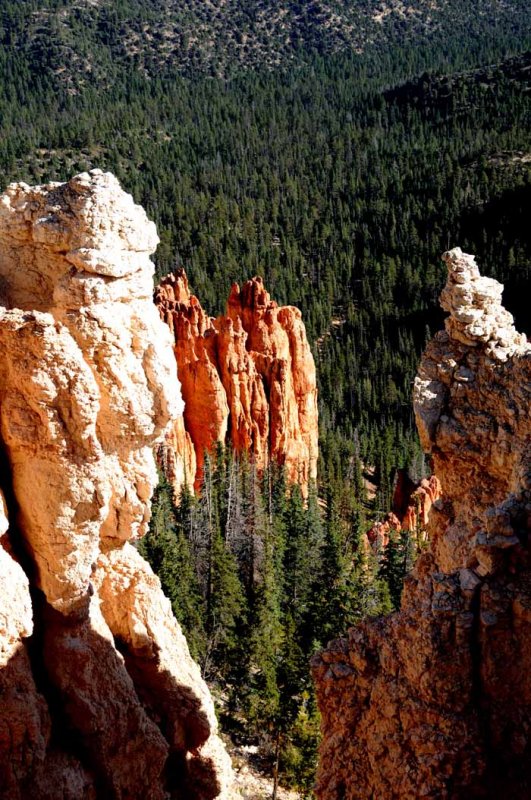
86, 41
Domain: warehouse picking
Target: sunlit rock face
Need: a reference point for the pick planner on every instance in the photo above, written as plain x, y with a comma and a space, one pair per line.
435, 701
100, 697
248, 381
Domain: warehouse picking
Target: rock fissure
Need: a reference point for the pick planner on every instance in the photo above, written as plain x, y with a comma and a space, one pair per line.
476, 701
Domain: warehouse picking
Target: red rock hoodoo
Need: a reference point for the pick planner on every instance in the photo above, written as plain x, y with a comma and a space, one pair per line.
247, 379
435, 700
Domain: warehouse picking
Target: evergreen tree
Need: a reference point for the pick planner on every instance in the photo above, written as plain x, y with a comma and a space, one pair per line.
167, 549
397, 561
266, 642
224, 596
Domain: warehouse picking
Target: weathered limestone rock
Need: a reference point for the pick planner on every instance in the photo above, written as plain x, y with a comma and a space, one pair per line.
206, 411
435, 701
417, 511
48, 412
176, 455
100, 697
248, 379
16, 619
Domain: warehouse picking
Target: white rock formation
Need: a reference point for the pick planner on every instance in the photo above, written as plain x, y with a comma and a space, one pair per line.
477, 317
476, 312
88, 387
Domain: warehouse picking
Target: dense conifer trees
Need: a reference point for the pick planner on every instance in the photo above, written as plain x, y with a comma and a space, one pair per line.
259, 579
341, 193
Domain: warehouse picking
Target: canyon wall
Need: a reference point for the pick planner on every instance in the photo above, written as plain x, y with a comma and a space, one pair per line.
248, 381
99, 695
435, 701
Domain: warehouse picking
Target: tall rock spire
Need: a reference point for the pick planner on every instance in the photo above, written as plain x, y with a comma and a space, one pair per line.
248, 379
435, 700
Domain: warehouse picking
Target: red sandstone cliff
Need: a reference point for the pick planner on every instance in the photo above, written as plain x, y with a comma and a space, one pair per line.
99, 697
435, 701
247, 378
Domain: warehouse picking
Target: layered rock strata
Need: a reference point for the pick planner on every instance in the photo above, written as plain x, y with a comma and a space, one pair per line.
435, 701
248, 381
100, 697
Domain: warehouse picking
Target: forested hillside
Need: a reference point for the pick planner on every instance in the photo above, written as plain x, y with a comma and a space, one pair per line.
93, 40
399, 130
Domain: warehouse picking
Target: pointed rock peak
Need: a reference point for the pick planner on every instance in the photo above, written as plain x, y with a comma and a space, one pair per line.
234, 302
477, 316
254, 294
461, 266
180, 286
173, 288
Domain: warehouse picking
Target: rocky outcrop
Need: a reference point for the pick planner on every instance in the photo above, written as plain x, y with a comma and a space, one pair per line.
248, 380
100, 697
412, 503
435, 701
